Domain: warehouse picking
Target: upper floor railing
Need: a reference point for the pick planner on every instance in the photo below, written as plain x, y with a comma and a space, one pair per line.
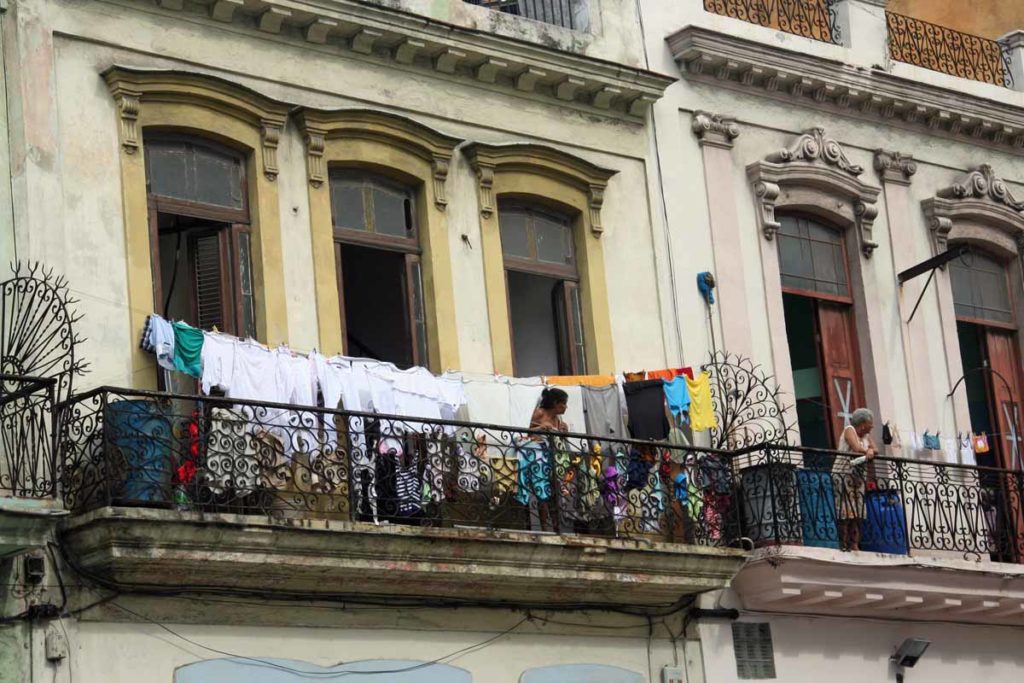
572, 14
28, 433
952, 52
815, 19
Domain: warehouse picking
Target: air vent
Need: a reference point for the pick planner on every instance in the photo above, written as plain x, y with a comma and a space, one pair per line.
752, 645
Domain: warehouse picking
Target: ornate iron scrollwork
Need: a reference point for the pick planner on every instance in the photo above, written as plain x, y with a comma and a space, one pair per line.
952, 52
747, 402
815, 19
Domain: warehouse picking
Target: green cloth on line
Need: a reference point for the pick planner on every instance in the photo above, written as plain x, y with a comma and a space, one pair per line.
188, 349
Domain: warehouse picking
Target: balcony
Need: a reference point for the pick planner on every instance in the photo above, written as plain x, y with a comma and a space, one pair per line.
942, 49
815, 19
570, 14
165, 485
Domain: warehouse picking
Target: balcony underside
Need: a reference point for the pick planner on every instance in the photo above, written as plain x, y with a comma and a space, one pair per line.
166, 549
804, 580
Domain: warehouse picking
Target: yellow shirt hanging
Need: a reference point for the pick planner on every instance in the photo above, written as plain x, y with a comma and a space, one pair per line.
702, 414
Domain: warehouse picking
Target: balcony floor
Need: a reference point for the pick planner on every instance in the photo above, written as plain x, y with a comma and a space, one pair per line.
168, 549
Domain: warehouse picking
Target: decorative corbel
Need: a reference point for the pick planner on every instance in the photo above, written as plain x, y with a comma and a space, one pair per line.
485, 176
315, 139
893, 167
595, 199
940, 227
270, 135
767, 194
127, 102
866, 214
714, 130
440, 166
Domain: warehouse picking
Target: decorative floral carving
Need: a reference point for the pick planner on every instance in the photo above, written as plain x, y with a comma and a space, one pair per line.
980, 183
814, 146
894, 167
714, 129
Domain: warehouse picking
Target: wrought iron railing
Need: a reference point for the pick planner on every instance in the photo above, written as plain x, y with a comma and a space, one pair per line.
573, 14
213, 454
28, 433
821, 498
942, 49
815, 19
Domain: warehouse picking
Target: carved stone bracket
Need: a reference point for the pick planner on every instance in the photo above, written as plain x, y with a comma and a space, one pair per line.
270, 136
767, 193
714, 130
893, 167
315, 139
127, 102
485, 178
595, 199
440, 166
866, 214
814, 146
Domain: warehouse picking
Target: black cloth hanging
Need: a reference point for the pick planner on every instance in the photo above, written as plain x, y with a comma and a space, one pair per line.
645, 404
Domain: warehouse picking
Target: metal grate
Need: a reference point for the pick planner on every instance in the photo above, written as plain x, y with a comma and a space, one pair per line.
209, 289
752, 645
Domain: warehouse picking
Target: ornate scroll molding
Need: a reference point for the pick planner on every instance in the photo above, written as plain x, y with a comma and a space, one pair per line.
714, 130
320, 127
815, 174
980, 183
814, 145
546, 164
978, 206
134, 90
893, 167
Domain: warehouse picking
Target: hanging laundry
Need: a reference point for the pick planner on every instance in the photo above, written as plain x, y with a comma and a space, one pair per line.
602, 412
524, 395
188, 347
638, 376
931, 441
668, 374
980, 442
574, 415
967, 450
702, 413
645, 403
218, 360
580, 380
158, 339
677, 395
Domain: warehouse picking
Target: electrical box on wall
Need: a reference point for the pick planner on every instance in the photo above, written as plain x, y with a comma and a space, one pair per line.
672, 674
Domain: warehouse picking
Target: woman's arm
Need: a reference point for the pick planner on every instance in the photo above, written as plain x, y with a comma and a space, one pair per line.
850, 435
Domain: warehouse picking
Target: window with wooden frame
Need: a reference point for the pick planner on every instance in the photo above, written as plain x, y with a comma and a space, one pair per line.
200, 233
380, 279
542, 282
820, 328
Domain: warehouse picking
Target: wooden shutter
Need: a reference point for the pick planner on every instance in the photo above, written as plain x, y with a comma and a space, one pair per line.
211, 286
341, 295
1004, 381
840, 367
569, 322
417, 314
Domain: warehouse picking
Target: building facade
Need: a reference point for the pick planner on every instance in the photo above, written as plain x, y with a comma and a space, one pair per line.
520, 189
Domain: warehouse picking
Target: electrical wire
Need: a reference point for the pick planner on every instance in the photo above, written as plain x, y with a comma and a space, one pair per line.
330, 674
876, 620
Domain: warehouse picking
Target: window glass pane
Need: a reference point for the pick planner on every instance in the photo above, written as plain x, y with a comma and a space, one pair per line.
553, 245
347, 204
812, 257
980, 289
389, 212
245, 286
576, 310
201, 173
419, 319
515, 237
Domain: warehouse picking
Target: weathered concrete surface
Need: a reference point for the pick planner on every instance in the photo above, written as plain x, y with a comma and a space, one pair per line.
158, 548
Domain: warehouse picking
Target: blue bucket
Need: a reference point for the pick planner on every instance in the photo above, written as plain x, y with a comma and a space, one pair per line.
141, 435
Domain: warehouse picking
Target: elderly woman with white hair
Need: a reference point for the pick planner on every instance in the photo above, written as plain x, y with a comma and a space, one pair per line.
849, 478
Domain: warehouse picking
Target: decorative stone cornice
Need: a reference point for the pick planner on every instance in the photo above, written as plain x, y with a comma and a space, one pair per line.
814, 146
815, 171
834, 87
714, 130
979, 199
318, 126
548, 162
980, 183
387, 34
133, 89
893, 167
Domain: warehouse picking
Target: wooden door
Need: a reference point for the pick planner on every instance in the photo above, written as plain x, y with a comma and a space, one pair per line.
840, 369
1004, 388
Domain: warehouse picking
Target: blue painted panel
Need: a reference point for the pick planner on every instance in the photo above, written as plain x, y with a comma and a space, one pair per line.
580, 673
269, 670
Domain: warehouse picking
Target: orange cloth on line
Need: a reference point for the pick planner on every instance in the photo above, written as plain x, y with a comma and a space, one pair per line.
669, 374
580, 380
635, 376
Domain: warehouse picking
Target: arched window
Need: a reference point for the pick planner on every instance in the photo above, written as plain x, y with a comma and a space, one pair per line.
199, 232
818, 307
981, 290
377, 252
543, 292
